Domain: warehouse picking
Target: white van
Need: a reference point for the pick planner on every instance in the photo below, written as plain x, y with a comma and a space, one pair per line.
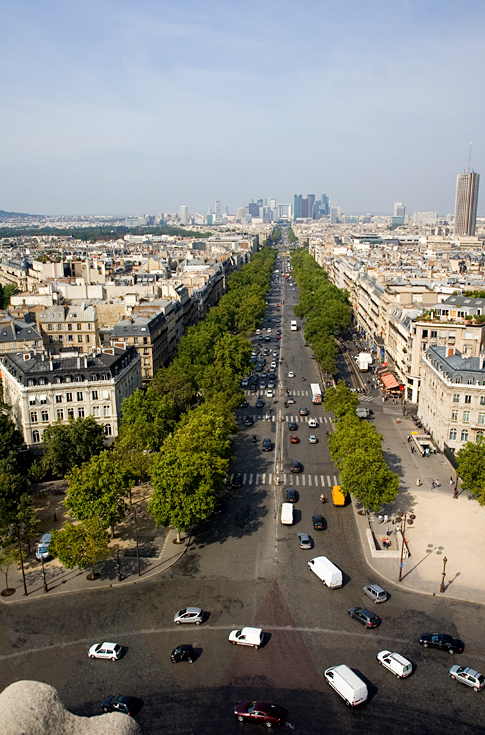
350, 687
247, 637
326, 571
397, 664
287, 514
42, 551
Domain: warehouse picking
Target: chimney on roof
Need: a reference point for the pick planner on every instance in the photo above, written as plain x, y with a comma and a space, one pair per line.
482, 361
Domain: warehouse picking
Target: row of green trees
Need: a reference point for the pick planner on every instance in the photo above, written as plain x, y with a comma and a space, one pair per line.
326, 308
291, 236
175, 433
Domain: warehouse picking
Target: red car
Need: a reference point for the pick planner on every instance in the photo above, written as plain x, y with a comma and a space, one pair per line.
294, 439
278, 336
269, 714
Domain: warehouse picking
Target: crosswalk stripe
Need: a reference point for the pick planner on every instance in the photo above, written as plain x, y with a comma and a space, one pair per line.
322, 480
244, 478
329, 482
335, 480
309, 479
303, 480
316, 480
270, 477
250, 481
297, 480
263, 479
284, 479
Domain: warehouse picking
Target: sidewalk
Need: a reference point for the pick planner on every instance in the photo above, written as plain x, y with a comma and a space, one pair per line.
157, 552
444, 527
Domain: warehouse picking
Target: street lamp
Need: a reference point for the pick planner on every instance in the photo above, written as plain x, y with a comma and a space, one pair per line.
18, 529
44, 578
134, 512
443, 575
403, 519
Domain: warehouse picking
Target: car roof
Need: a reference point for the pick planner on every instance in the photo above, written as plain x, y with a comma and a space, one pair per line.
108, 644
193, 610
303, 536
317, 518
375, 587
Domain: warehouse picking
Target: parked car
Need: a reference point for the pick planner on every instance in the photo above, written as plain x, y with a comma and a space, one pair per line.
295, 467
182, 653
112, 651
269, 714
442, 641
468, 676
318, 523
247, 637
305, 541
269, 393
189, 615
375, 592
368, 619
244, 383
120, 703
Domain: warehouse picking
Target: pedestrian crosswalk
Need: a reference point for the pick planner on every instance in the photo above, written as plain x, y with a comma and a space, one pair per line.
299, 480
290, 419
281, 392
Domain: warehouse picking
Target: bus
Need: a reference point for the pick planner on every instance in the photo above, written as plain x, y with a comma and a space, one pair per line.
316, 393
293, 325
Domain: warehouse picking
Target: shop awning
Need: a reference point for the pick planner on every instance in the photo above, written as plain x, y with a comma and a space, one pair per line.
389, 381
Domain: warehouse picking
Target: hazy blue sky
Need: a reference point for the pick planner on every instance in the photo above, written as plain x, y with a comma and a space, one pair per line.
124, 106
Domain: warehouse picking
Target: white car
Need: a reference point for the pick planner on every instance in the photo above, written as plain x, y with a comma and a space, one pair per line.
397, 664
268, 330
274, 365
270, 393
247, 637
189, 615
312, 439
291, 374
105, 650
312, 423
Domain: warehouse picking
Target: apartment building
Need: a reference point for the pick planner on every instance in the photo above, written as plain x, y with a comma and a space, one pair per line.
16, 335
43, 388
72, 327
452, 396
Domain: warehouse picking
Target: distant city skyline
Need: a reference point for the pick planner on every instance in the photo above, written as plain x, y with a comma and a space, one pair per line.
124, 108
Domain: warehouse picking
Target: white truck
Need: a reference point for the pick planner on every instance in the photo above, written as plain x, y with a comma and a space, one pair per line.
326, 571
350, 687
363, 413
364, 359
287, 514
316, 393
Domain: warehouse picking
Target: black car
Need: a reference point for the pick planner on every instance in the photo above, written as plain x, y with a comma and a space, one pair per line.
259, 403
442, 641
182, 653
120, 703
366, 617
291, 495
295, 467
272, 376
236, 481
318, 523
248, 421
267, 446
292, 426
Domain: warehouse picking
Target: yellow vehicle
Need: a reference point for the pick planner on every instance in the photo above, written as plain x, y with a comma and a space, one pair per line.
338, 497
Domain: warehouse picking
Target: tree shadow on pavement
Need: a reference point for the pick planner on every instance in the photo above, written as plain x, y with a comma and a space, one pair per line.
242, 515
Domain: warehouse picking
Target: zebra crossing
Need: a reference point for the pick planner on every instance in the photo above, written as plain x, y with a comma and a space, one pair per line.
291, 419
266, 478
280, 391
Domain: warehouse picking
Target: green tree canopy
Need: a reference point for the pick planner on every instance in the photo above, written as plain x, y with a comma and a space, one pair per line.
366, 475
147, 420
10, 438
471, 469
340, 400
97, 489
12, 486
350, 434
66, 445
82, 544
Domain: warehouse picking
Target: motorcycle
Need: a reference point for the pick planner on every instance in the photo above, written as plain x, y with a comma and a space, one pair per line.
322, 498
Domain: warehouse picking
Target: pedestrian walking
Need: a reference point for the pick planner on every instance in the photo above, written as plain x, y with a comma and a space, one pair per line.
451, 481
408, 437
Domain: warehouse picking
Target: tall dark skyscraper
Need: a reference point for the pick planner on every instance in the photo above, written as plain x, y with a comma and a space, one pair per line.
297, 206
466, 203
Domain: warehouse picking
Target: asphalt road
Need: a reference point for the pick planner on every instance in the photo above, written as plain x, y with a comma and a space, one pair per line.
245, 568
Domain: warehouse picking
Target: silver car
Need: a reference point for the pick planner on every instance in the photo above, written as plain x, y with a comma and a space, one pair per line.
375, 592
189, 615
468, 676
305, 541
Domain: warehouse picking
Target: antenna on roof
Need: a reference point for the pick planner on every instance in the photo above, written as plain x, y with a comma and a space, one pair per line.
469, 158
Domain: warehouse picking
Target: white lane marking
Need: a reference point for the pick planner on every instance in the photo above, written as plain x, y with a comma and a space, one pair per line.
303, 481
329, 481
270, 476
263, 479
335, 480
309, 479
244, 478
201, 629
322, 480
297, 479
